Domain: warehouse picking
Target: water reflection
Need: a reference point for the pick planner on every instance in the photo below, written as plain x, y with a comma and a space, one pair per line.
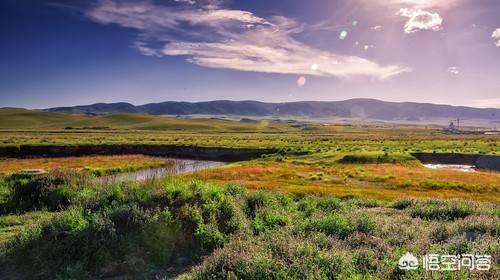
178, 166
456, 167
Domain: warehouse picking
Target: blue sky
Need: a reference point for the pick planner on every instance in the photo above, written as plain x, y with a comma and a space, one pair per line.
56, 53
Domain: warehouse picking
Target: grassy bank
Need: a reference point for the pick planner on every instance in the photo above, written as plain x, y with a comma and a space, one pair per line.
197, 230
97, 165
378, 176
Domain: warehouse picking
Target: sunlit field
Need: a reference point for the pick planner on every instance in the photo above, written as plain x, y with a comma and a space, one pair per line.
98, 165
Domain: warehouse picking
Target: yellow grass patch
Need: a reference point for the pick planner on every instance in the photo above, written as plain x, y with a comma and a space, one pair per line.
126, 162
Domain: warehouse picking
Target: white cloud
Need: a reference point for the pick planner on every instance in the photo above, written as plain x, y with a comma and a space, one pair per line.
212, 36
143, 48
420, 20
376, 27
420, 4
453, 70
496, 37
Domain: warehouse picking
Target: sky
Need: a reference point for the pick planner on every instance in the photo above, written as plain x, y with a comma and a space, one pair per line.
62, 53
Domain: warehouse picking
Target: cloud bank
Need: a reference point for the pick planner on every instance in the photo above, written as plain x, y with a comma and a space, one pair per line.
212, 36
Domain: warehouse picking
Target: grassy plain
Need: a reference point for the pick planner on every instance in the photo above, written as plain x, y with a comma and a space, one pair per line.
98, 165
336, 202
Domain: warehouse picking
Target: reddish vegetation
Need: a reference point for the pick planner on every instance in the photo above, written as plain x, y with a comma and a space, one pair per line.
376, 181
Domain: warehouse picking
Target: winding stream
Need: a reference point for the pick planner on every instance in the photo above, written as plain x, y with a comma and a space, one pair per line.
179, 166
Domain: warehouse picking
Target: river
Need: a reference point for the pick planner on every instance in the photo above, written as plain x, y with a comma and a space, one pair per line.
180, 166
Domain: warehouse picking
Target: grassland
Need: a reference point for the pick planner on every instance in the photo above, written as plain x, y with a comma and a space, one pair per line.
335, 202
385, 182
39, 120
196, 230
98, 165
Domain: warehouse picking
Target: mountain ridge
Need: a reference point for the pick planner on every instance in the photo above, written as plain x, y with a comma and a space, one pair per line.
363, 108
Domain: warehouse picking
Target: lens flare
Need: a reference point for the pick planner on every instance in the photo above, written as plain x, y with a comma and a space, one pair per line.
301, 81
343, 35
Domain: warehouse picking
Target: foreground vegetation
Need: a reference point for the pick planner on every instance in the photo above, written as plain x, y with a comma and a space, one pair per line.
198, 230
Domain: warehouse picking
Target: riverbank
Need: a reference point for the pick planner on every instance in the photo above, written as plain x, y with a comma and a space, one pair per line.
190, 152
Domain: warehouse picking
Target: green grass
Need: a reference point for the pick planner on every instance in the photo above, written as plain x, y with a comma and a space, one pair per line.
196, 230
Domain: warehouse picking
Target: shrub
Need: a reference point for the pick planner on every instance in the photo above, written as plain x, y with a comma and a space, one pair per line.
365, 261
52, 191
265, 220
332, 224
308, 206
208, 237
402, 203
163, 238
255, 201
365, 224
329, 203
441, 210
231, 217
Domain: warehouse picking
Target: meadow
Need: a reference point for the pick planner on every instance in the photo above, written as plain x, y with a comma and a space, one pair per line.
334, 202
97, 165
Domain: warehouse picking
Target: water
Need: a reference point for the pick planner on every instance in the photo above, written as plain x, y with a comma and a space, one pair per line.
180, 166
456, 167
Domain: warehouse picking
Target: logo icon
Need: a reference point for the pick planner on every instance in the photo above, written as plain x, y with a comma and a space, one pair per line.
408, 262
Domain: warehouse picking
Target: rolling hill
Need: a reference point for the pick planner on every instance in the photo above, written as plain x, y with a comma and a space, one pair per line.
15, 119
353, 108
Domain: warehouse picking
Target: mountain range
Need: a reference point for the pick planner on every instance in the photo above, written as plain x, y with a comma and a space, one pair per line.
352, 108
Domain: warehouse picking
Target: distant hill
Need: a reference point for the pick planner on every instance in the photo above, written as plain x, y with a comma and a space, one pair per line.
97, 109
14, 118
353, 108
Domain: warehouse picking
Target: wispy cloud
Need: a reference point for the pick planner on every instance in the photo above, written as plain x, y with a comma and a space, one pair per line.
420, 20
421, 4
496, 36
210, 35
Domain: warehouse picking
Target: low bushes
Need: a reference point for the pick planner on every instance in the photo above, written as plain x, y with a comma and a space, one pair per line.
154, 231
442, 210
368, 158
51, 191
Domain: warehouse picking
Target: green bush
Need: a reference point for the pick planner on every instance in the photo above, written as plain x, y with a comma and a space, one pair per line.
52, 191
441, 210
333, 224
402, 203
265, 220
365, 224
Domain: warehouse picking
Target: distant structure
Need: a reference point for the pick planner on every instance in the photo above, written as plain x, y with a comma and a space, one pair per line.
452, 128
